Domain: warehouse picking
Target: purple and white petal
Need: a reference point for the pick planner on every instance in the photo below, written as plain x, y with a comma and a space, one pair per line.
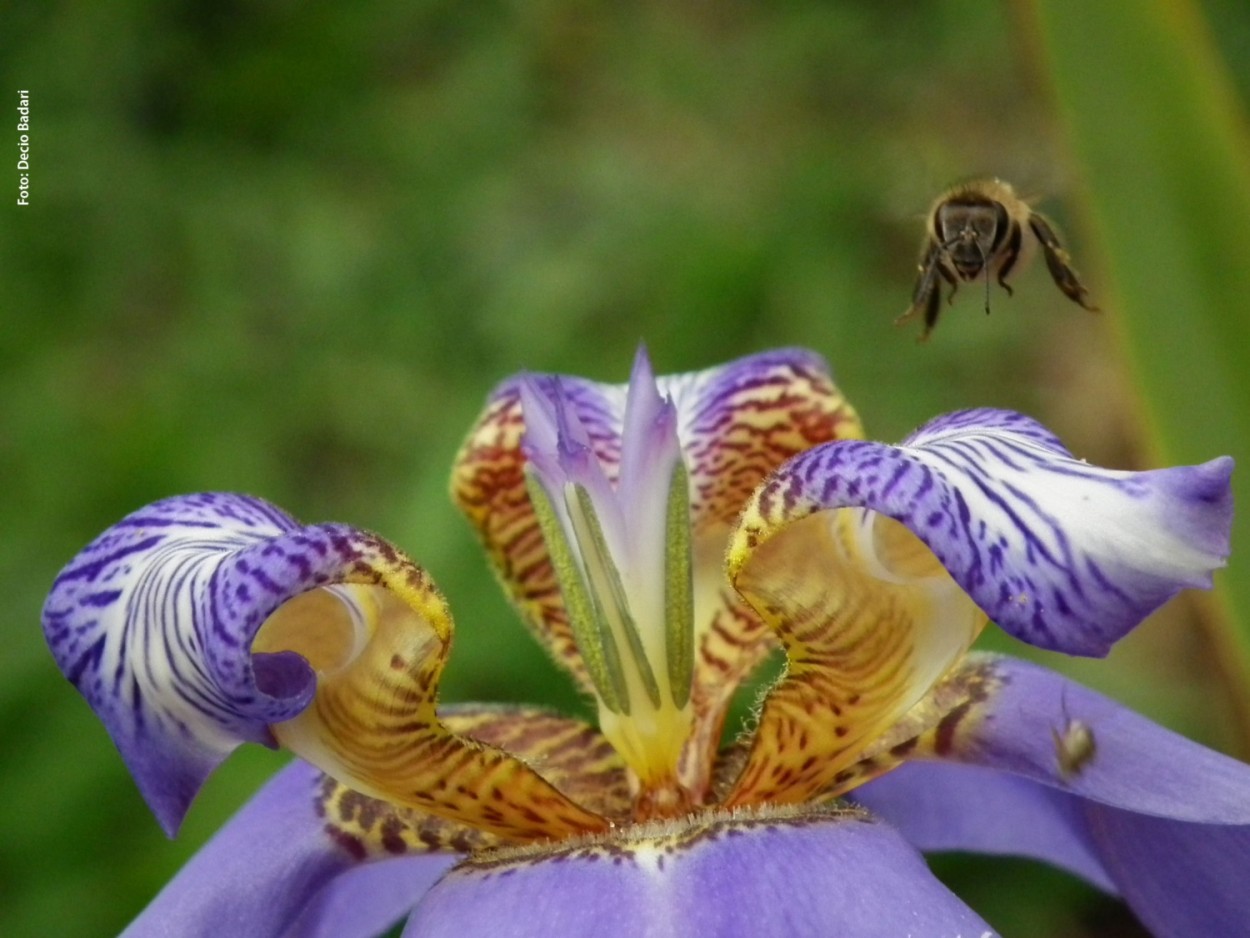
153, 622
1065, 555
1061, 554
273, 870
831, 874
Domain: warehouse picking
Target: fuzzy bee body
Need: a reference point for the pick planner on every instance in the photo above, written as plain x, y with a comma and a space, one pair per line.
983, 229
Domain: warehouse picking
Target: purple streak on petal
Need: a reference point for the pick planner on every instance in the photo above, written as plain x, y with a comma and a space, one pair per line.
366, 901
167, 664
1061, 554
561, 448
852, 878
259, 873
1180, 879
943, 807
649, 446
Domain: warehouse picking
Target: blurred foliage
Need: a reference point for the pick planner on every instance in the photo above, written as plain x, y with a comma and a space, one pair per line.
288, 250
1165, 157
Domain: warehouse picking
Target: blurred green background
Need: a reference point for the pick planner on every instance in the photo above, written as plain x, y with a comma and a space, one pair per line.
288, 249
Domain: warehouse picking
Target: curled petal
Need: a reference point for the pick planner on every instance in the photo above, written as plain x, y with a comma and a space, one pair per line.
1061, 554
204, 621
759, 874
373, 723
738, 423
275, 863
153, 622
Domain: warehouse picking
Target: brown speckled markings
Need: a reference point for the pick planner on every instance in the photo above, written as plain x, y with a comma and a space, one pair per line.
658, 839
928, 730
573, 756
736, 425
727, 651
732, 443
368, 827
931, 728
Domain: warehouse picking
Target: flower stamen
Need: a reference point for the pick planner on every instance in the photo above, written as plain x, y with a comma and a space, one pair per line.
620, 542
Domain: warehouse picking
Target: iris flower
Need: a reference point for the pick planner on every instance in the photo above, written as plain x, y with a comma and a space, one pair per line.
661, 539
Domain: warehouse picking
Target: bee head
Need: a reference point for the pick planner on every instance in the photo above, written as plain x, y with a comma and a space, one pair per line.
971, 231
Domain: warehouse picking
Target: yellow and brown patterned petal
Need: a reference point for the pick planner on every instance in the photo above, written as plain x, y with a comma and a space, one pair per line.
870, 621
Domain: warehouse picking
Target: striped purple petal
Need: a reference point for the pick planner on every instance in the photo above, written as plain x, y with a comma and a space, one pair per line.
1145, 813
274, 870
1061, 554
764, 877
153, 622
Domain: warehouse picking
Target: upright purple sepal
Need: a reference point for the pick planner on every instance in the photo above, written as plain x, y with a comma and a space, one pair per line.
153, 623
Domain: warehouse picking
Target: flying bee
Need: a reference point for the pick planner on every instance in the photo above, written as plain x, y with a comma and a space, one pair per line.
982, 228
1074, 746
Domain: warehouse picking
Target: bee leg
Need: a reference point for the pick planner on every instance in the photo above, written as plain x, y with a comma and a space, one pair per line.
1011, 253
1058, 262
925, 295
933, 308
949, 278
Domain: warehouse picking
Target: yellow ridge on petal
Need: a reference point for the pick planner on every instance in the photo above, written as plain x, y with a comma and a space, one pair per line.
372, 724
572, 755
778, 409
869, 620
